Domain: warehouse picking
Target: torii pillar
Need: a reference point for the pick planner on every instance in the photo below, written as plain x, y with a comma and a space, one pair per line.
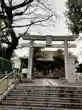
70, 74
66, 58
30, 58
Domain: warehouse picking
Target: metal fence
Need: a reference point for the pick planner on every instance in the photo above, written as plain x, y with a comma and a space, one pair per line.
5, 67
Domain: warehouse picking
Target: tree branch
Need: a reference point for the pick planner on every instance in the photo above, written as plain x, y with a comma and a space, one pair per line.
26, 13
1, 29
3, 5
22, 4
32, 22
27, 29
3, 16
47, 8
8, 11
6, 41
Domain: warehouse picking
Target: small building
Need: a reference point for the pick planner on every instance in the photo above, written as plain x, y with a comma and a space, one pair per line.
20, 60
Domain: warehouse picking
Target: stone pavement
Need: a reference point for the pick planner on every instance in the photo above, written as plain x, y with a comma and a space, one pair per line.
51, 82
5, 84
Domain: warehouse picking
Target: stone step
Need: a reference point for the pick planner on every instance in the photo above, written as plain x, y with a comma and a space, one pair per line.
42, 101
56, 105
55, 86
49, 89
45, 94
47, 108
43, 98
65, 91
11, 107
46, 89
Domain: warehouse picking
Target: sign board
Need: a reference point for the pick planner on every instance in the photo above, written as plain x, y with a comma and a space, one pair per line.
71, 76
48, 41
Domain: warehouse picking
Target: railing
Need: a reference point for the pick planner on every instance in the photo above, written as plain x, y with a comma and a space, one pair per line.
8, 80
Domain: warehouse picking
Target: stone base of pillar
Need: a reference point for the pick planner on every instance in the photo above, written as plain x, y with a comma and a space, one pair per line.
71, 78
26, 80
29, 77
67, 81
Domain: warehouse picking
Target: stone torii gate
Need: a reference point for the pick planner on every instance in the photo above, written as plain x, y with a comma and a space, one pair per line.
49, 39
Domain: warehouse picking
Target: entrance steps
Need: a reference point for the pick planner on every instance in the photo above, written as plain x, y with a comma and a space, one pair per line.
43, 98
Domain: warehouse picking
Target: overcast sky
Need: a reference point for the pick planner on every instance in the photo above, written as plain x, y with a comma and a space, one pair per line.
59, 29
60, 25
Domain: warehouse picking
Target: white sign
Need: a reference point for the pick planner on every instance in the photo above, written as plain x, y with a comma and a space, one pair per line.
48, 41
71, 70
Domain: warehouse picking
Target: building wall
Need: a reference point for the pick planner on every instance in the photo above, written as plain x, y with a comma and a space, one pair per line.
49, 54
17, 63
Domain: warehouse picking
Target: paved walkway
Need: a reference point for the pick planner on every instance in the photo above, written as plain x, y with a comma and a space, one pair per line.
51, 82
5, 84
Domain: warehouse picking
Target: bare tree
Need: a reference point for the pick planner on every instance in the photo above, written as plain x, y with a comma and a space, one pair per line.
22, 13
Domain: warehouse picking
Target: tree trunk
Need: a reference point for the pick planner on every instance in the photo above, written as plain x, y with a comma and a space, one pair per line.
13, 46
10, 49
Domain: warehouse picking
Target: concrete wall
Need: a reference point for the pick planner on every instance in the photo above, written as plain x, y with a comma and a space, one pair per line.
17, 63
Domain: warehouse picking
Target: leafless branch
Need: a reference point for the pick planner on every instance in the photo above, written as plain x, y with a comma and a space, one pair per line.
36, 10
5, 40
37, 16
2, 16
26, 2
27, 29
8, 41
1, 29
33, 22
21, 13
47, 7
